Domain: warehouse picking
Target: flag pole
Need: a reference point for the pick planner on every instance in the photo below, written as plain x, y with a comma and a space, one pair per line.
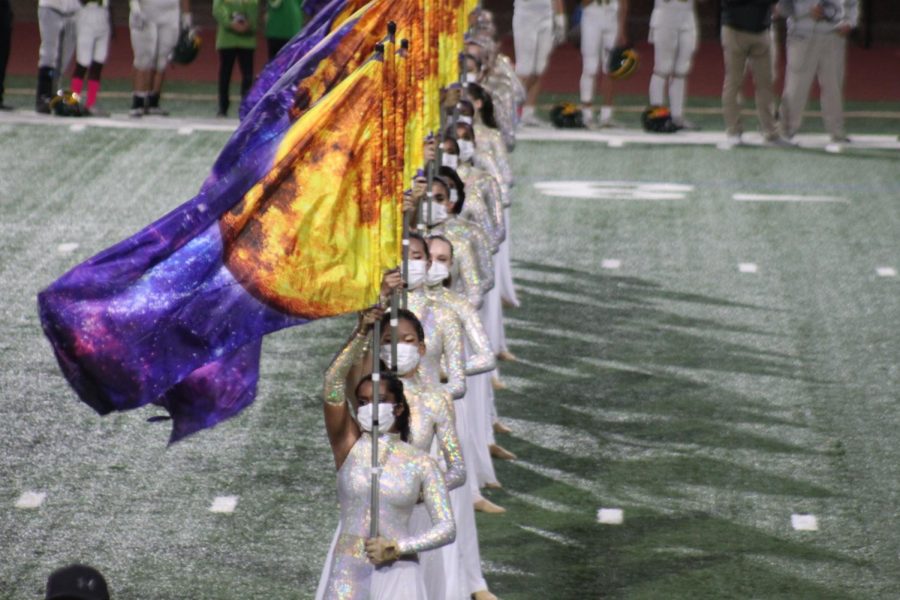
392, 33
376, 394
404, 45
376, 399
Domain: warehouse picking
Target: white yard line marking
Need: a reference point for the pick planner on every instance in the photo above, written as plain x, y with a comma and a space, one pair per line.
886, 271
543, 503
693, 138
804, 522
224, 504
785, 198
615, 190
616, 143
610, 516
553, 537
185, 130
833, 148
748, 268
78, 127
67, 247
31, 499
610, 263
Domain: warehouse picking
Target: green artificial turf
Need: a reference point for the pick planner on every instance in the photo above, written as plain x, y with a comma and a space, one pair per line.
708, 404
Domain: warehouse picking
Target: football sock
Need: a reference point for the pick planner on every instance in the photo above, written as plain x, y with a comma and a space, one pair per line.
657, 90
676, 97
93, 89
605, 114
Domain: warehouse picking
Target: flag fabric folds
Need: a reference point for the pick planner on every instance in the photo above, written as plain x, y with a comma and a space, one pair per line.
174, 315
298, 219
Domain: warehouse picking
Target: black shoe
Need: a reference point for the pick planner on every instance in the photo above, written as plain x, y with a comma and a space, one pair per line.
222, 114
42, 106
5, 106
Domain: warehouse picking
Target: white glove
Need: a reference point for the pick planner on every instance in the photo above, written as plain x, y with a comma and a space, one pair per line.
559, 28
187, 20
136, 17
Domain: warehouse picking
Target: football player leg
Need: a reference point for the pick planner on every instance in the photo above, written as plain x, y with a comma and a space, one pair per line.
167, 37
143, 42
665, 45
687, 45
591, 37
57, 46
613, 37
533, 31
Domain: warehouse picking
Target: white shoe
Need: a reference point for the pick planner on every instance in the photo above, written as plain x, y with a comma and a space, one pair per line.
780, 142
686, 125
533, 121
611, 124
731, 141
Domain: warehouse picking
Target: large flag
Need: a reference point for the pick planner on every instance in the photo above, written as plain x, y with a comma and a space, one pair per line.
285, 233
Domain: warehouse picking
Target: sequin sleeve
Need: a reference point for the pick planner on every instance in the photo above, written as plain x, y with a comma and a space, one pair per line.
501, 155
475, 210
483, 249
486, 162
437, 502
493, 199
453, 352
336, 374
469, 282
448, 441
481, 359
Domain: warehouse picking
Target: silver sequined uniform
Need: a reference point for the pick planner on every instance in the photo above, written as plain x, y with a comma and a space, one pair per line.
407, 473
455, 229
489, 188
432, 416
479, 354
443, 343
490, 140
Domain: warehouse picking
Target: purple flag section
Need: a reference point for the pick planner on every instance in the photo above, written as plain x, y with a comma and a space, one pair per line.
158, 318
296, 49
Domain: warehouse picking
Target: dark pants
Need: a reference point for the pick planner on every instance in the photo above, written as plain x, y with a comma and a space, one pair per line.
275, 44
6, 18
244, 58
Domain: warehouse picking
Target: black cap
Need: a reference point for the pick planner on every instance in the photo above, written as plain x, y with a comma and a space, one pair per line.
76, 582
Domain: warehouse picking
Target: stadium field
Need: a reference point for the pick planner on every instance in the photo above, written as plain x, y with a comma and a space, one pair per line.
707, 343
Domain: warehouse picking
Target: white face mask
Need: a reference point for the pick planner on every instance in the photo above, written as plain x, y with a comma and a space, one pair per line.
438, 213
464, 119
407, 357
454, 196
471, 77
449, 160
437, 274
466, 150
385, 416
416, 274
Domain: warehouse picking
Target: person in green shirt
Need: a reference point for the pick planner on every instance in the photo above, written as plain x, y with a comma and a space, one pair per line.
284, 18
235, 40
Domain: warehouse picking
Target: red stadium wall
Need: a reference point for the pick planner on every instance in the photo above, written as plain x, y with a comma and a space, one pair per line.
871, 73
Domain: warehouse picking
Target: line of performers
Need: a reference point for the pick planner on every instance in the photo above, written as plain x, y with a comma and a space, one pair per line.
438, 355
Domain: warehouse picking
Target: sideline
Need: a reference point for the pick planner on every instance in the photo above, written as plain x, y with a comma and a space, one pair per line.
616, 138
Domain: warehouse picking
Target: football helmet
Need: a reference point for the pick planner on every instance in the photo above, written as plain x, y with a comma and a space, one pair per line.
623, 62
187, 48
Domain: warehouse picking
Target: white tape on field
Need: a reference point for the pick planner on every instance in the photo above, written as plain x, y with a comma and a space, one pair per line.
224, 504
804, 522
31, 499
